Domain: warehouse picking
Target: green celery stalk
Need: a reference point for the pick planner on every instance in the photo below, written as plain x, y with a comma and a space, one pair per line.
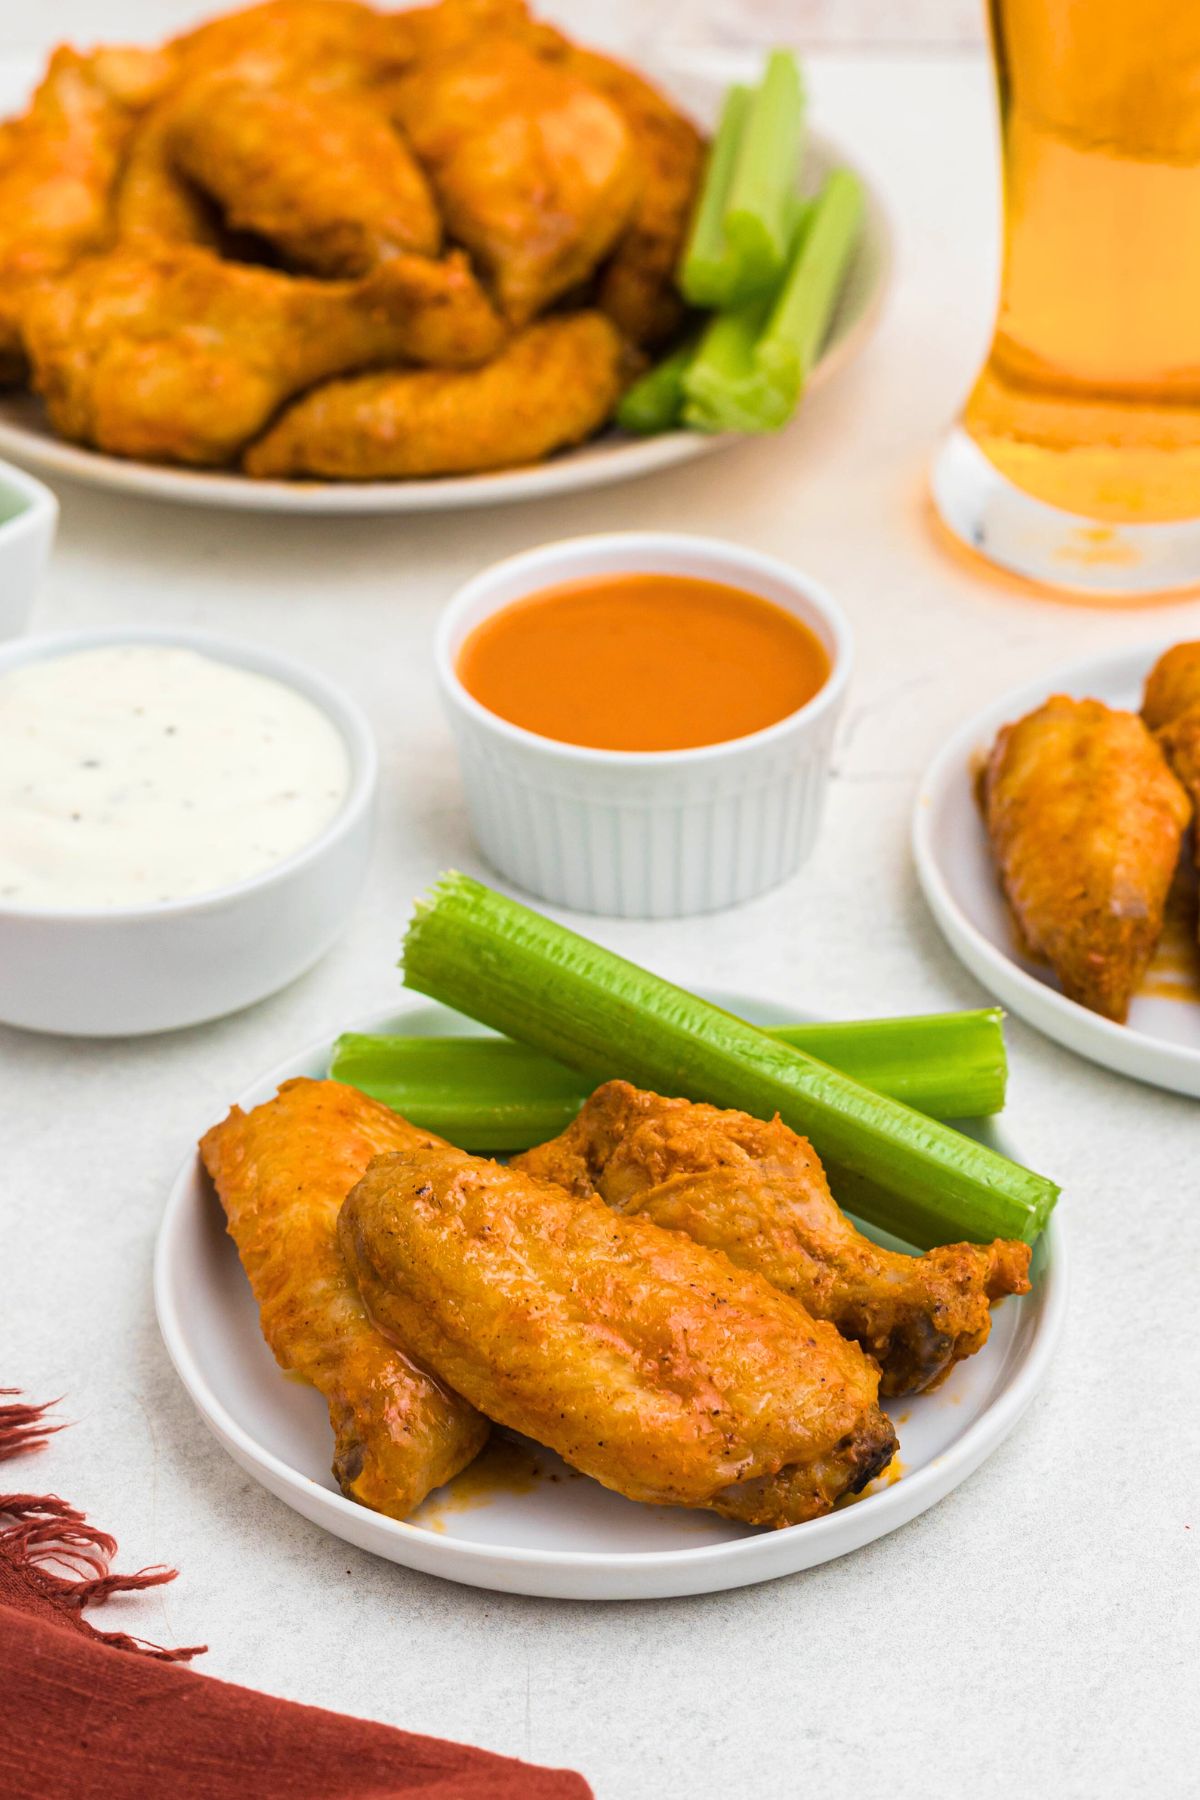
723, 389
703, 275
533, 980
758, 205
796, 329
655, 401
487, 1093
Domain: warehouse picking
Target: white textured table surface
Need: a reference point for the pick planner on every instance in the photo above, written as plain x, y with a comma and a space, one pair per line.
1037, 1632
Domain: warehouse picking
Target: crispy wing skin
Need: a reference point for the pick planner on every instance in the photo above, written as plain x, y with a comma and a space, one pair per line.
646, 1361
534, 169
1085, 820
555, 384
58, 167
637, 285
758, 1192
322, 176
171, 354
282, 1172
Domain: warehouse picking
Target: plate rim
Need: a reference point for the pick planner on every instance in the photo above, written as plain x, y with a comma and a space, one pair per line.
46, 453
889, 1509
1116, 1047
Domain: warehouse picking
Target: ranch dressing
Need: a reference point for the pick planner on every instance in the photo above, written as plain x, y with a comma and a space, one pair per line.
137, 773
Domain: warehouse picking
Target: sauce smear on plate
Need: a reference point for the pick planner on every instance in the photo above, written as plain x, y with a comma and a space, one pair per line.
643, 662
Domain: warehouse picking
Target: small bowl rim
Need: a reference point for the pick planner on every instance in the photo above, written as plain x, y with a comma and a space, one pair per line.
702, 549
39, 504
335, 702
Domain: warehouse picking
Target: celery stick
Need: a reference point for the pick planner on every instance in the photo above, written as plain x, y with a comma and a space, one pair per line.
758, 204
796, 329
487, 1093
723, 389
512, 969
655, 402
703, 276
481, 1093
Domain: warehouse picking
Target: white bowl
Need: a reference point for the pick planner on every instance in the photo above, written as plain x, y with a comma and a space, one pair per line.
28, 517
122, 971
644, 834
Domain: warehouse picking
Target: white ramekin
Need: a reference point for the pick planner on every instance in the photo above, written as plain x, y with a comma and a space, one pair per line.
644, 834
122, 971
28, 516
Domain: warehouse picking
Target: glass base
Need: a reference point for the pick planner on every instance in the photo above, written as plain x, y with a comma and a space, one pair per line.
1059, 549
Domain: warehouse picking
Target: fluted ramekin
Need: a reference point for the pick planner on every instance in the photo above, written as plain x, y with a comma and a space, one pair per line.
644, 834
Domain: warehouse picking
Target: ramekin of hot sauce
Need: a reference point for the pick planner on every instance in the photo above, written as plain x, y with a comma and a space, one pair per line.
644, 719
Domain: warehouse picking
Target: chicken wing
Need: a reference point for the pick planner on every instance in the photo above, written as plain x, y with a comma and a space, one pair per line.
1171, 708
321, 176
555, 384
1085, 820
172, 354
535, 171
637, 285
758, 1192
645, 1360
58, 167
282, 1172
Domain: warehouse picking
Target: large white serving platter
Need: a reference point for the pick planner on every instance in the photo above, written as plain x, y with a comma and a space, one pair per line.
26, 437
1161, 1042
564, 1536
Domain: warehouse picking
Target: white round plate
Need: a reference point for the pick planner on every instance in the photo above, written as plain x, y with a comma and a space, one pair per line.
565, 1536
26, 437
1161, 1042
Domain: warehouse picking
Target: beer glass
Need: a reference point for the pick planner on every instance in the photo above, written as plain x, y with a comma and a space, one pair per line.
1076, 460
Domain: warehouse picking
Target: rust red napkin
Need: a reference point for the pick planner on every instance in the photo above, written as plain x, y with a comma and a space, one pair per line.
91, 1715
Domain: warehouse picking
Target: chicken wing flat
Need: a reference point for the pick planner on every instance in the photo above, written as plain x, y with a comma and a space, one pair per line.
282, 1172
646, 1361
1085, 820
58, 167
321, 176
555, 384
172, 354
534, 170
758, 1192
637, 286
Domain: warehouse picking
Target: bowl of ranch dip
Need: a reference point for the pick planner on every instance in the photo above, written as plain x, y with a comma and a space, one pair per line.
185, 824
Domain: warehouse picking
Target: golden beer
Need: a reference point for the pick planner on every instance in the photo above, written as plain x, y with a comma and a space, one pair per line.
1090, 397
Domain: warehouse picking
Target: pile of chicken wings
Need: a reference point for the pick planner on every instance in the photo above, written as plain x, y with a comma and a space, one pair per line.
667, 1295
315, 239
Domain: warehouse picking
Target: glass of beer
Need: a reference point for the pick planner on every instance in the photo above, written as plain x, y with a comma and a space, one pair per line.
1076, 460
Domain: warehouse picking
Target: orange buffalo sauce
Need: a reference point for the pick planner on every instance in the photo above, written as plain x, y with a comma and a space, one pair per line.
642, 662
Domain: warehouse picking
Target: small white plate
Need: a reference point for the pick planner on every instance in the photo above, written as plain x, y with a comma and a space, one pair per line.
1161, 1042
565, 1537
614, 456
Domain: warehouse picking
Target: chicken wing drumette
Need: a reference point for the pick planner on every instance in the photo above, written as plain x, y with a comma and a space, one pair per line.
281, 1173
757, 1191
1085, 820
645, 1360
172, 354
